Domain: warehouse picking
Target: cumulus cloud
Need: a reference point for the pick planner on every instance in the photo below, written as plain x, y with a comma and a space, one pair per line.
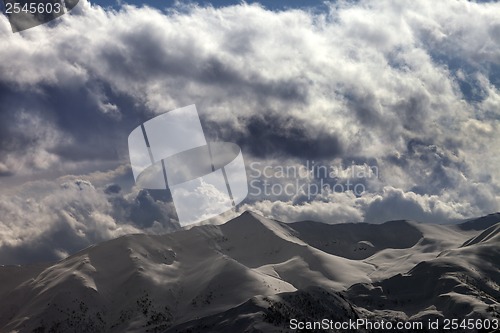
412, 89
390, 204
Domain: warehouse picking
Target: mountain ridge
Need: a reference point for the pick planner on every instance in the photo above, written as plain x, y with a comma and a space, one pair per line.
191, 277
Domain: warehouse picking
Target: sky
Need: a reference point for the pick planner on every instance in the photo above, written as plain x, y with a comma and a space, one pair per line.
398, 102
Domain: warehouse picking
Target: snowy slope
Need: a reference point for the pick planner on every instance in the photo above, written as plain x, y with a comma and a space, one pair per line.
272, 313
461, 282
251, 273
358, 240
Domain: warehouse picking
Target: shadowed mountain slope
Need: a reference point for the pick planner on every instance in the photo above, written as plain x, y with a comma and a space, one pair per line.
255, 273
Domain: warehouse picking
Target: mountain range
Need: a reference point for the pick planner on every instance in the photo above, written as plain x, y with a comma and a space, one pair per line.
254, 274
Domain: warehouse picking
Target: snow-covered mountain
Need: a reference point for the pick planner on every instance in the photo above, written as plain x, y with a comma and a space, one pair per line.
255, 274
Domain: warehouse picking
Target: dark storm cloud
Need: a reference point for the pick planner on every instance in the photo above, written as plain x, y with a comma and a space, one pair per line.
272, 135
215, 72
146, 210
94, 134
112, 189
12, 136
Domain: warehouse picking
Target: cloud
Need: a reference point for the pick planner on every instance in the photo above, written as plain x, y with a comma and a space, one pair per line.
340, 208
42, 220
395, 204
412, 89
317, 77
390, 204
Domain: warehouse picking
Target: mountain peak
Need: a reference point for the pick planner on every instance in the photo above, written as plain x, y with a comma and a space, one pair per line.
253, 219
251, 213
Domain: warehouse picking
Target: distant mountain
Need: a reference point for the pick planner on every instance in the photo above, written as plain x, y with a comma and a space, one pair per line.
254, 274
481, 223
